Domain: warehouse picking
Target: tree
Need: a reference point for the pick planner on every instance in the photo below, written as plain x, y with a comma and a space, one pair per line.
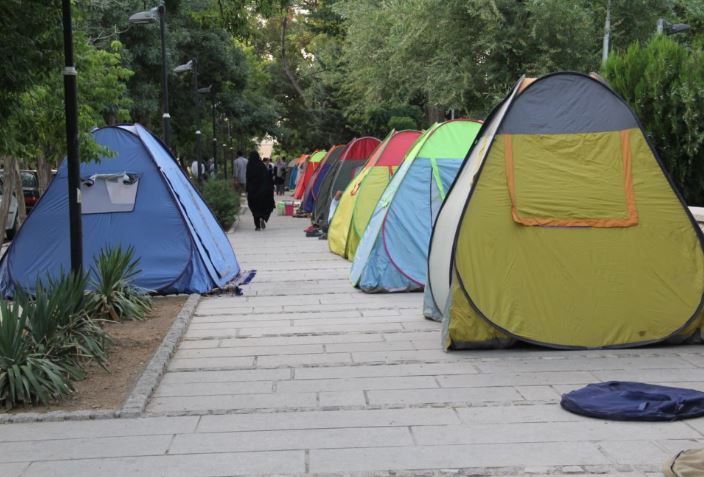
663, 82
30, 45
37, 124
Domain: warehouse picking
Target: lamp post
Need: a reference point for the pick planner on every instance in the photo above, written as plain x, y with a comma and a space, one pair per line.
192, 66
229, 141
663, 27
73, 156
211, 91
224, 160
158, 14
215, 135
667, 28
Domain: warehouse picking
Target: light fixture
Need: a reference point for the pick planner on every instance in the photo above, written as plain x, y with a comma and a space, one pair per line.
147, 16
184, 67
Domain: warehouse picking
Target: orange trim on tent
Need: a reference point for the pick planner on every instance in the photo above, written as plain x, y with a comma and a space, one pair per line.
630, 220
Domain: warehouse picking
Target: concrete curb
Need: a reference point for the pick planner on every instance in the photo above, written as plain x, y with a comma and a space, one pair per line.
137, 400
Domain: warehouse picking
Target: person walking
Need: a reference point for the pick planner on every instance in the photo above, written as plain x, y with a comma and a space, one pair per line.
260, 191
280, 176
239, 172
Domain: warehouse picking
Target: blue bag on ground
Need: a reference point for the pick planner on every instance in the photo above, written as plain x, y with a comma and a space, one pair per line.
629, 401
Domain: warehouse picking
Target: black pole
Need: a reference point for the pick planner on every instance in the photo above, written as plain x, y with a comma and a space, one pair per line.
215, 134
165, 116
73, 156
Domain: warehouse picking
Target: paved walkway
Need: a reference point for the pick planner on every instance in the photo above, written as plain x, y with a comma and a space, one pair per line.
305, 374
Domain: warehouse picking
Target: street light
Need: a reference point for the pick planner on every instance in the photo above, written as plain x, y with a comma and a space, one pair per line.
662, 27
667, 28
158, 14
72, 157
224, 151
192, 66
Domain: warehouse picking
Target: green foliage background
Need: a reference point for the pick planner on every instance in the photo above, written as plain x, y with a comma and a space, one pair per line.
312, 73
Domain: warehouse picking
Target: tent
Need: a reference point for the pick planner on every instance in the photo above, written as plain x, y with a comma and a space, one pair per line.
363, 192
393, 252
564, 229
138, 197
352, 159
319, 175
292, 171
312, 164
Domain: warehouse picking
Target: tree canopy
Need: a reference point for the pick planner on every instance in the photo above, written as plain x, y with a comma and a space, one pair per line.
312, 73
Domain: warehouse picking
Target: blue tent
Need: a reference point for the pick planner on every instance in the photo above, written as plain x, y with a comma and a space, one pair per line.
393, 252
138, 197
292, 174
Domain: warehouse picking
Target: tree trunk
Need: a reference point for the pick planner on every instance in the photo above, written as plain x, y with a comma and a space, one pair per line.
43, 172
434, 114
19, 193
8, 188
284, 60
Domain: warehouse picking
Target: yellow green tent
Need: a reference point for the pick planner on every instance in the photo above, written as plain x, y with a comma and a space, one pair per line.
567, 230
361, 195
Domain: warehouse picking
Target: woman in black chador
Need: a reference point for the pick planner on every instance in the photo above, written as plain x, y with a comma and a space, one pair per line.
260, 190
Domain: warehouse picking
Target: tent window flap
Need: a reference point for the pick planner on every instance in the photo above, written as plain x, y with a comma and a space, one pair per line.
548, 186
108, 193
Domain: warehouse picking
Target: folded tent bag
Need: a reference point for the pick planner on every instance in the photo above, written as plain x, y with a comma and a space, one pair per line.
630, 401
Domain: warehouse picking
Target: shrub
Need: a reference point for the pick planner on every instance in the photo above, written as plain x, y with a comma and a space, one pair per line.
401, 123
223, 201
26, 376
59, 322
45, 341
114, 296
663, 81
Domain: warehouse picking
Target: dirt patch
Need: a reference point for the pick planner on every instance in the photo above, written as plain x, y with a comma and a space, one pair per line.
135, 343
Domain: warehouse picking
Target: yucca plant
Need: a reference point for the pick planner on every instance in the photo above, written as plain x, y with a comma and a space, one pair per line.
45, 341
114, 295
59, 322
26, 375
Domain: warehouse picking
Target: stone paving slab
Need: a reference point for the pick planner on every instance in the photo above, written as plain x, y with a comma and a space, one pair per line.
331, 438
211, 465
94, 447
458, 456
39, 431
13, 470
304, 375
244, 375
328, 419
